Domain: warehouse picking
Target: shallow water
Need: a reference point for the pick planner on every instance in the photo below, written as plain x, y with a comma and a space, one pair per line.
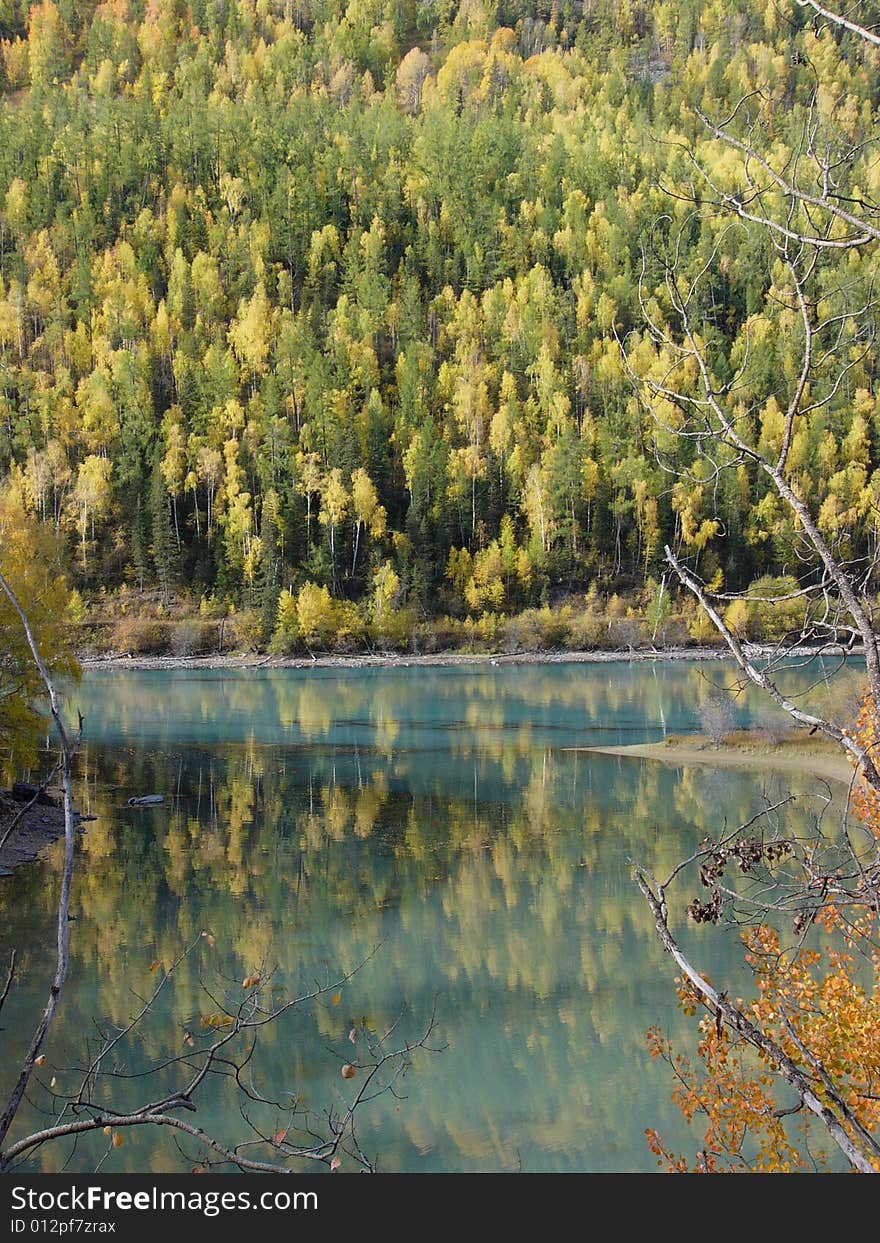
426, 828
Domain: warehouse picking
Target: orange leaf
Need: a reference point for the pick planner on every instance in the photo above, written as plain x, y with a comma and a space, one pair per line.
155, 965
348, 1071
279, 1137
117, 1140
250, 981
335, 999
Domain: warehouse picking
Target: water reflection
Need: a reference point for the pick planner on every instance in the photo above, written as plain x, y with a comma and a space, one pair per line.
452, 708
311, 817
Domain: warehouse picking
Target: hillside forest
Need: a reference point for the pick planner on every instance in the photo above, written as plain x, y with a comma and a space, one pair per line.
312, 315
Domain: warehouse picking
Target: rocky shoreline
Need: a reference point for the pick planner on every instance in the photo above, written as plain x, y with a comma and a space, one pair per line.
403, 660
28, 824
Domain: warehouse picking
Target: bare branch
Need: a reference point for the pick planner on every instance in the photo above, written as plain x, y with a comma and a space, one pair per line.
10, 976
839, 20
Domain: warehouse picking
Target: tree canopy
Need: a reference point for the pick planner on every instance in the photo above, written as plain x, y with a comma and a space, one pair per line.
292, 293
30, 560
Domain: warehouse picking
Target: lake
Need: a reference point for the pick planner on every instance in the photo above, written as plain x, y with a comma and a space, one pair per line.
430, 826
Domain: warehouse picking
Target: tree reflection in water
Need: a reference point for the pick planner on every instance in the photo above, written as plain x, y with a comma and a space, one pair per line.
439, 819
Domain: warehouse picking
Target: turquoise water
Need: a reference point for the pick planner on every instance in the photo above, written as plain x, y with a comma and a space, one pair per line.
426, 828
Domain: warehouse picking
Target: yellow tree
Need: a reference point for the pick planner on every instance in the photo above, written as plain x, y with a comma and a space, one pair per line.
239, 518
315, 614
334, 506
173, 464
91, 498
308, 484
367, 510
410, 79
251, 334
30, 561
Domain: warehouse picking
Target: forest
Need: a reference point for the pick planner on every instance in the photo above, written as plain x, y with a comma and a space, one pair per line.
325, 317
414, 326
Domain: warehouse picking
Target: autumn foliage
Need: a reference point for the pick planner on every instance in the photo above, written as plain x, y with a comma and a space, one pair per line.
816, 997
866, 800
30, 562
290, 292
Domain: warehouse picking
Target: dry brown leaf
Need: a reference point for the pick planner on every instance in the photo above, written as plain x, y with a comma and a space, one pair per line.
216, 1020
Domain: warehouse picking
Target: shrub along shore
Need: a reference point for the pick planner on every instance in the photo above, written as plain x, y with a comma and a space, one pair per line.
310, 622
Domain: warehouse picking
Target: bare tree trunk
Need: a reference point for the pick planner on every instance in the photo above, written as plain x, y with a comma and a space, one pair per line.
357, 537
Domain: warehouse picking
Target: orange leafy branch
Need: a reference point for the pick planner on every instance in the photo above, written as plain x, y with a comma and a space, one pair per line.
814, 1022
